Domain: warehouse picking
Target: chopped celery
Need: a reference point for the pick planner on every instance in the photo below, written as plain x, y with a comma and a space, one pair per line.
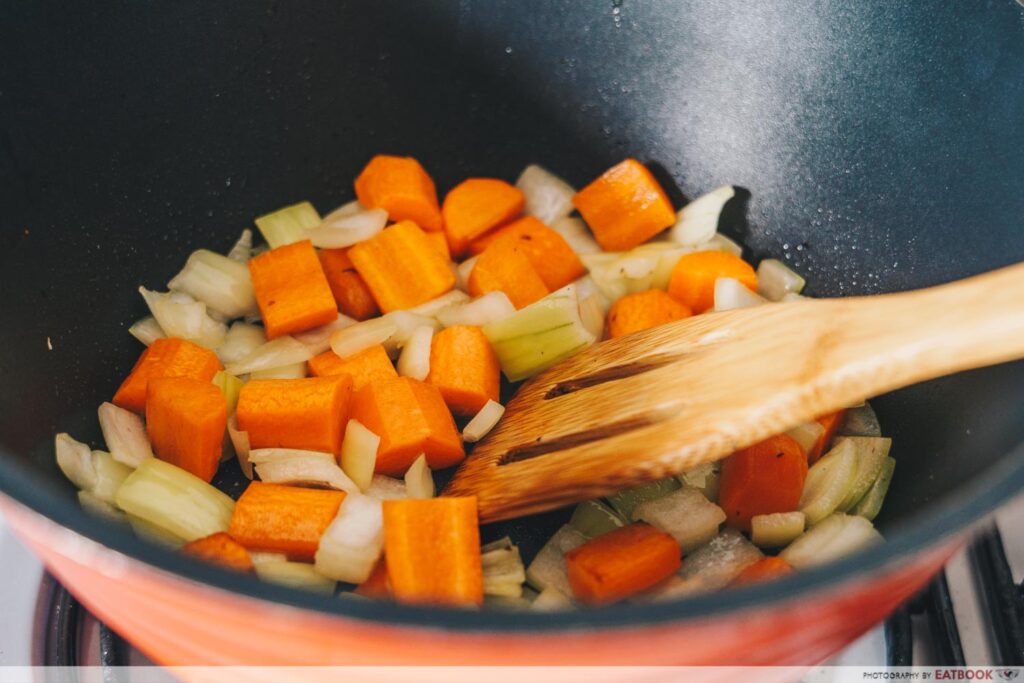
828, 482
359, 453
230, 386
383, 487
221, 283
75, 460
503, 570
548, 568
100, 508
419, 482
715, 564
705, 478
548, 197
593, 518
550, 600
836, 536
686, 515
625, 502
125, 434
860, 421
775, 280
154, 533
110, 474
296, 467
777, 529
147, 330
483, 422
352, 544
871, 504
295, 575
871, 455
175, 500
242, 249
277, 353
290, 371
179, 315
288, 225
697, 222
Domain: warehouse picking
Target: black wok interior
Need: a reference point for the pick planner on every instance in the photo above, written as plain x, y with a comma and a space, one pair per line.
879, 144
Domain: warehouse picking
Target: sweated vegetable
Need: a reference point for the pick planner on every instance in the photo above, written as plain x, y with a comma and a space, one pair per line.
125, 435
353, 543
548, 568
502, 567
288, 225
836, 536
684, 514
593, 518
359, 453
777, 529
222, 283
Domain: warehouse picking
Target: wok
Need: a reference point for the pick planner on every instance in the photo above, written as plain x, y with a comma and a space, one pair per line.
879, 144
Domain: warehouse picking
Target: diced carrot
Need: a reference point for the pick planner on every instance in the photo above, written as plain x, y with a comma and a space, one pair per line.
376, 585
548, 252
309, 413
830, 423
761, 479
503, 267
477, 205
284, 519
368, 365
642, 311
464, 368
165, 358
694, 275
291, 289
410, 418
348, 287
400, 186
625, 206
402, 267
185, 420
621, 563
433, 551
765, 569
440, 242
220, 549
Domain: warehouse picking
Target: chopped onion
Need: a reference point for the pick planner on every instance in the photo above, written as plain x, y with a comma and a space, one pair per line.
592, 518
775, 280
463, 271
489, 308
174, 500
387, 488
625, 273
686, 515
352, 544
715, 564
147, 330
777, 529
548, 568
731, 293
288, 225
697, 221
722, 243
548, 197
240, 441
483, 421
229, 385
179, 317
503, 571
806, 434
835, 537
319, 338
295, 575
221, 283
300, 468
242, 249
125, 435
363, 335
577, 234
293, 371
415, 359
74, 459
406, 323
359, 453
419, 482
241, 340
276, 353
434, 306
550, 600
261, 557
110, 474
340, 230
100, 508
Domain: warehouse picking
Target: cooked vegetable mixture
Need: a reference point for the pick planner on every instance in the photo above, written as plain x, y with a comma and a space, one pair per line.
338, 362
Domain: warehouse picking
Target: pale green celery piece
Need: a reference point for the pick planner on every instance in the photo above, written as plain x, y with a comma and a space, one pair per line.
777, 529
871, 454
871, 504
540, 316
174, 500
704, 477
147, 330
295, 575
837, 536
230, 386
152, 532
110, 475
829, 481
860, 421
548, 568
101, 508
524, 356
288, 225
775, 280
593, 518
686, 515
624, 502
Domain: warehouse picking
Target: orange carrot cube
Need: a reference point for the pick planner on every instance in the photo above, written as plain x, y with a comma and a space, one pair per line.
348, 287
308, 414
220, 549
284, 519
625, 206
477, 205
368, 365
621, 563
548, 252
503, 267
400, 186
642, 311
165, 358
185, 420
291, 289
693, 277
464, 368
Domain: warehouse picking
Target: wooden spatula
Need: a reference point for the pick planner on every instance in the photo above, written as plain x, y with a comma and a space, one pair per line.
648, 405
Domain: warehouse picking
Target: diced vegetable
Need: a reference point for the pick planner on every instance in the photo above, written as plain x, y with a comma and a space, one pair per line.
546, 250
241, 251
775, 280
625, 206
383, 487
295, 575
829, 424
697, 222
352, 544
477, 205
406, 323
463, 367
871, 504
419, 482
548, 197
295, 413
836, 536
350, 291
294, 467
240, 442
293, 371
291, 289
414, 360
165, 358
776, 529
860, 421
288, 225
343, 228
278, 353
100, 508
505, 267
626, 502
808, 435
222, 550
576, 233
153, 533
110, 474
765, 569
503, 572
617, 275
871, 455
400, 186
763, 478
435, 306
318, 339
182, 317
463, 271
548, 568
731, 294
241, 340
284, 519
642, 311
185, 421
359, 453
483, 422
125, 435
705, 478
621, 563
222, 283
489, 308
694, 276
551, 600
829, 481
364, 335
229, 385
439, 241
724, 244
175, 501
369, 365
593, 518
716, 564
686, 515
147, 330
433, 551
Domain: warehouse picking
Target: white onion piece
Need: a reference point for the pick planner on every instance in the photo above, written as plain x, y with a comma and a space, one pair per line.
352, 544
361, 336
242, 249
731, 293
722, 243
74, 459
791, 296
697, 221
339, 230
299, 467
548, 197
292, 371
415, 359
276, 353
432, 307
99, 507
406, 323
577, 234
349, 209
550, 600
483, 421
359, 453
387, 488
221, 283
147, 330
319, 338
240, 441
419, 482
775, 280
260, 557
184, 318
241, 340
125, 435
488, 308
110, 474
622, 273
463, 271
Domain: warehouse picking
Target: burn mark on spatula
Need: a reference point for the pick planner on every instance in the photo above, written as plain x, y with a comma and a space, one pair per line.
581, 438
610, 374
